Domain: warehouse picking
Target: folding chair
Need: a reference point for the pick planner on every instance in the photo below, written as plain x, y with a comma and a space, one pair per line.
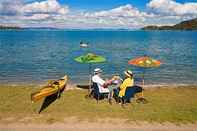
96, 92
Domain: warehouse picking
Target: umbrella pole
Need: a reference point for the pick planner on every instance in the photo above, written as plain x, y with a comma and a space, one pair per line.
90, 77
143, 83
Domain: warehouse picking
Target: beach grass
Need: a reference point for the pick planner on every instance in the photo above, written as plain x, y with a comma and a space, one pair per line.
176, 105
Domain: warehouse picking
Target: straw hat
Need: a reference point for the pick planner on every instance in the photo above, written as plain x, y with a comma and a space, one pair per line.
128, 73
97, 70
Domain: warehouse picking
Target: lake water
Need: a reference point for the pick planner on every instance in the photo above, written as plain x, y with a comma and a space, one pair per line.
34, 56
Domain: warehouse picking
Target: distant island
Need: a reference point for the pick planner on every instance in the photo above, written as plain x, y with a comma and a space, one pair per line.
185, 25
6, 27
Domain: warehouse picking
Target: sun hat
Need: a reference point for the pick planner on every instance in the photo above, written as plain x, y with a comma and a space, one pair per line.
97, 70
128, 73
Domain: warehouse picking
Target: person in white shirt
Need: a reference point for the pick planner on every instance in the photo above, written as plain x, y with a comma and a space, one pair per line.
104, 86
99, 81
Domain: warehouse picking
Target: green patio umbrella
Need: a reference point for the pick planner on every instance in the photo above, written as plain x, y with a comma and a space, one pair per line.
90, 58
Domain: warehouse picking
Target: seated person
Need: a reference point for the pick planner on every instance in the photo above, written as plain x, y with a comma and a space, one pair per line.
107, 86
102, 84
132, 91
113, 87
127, 82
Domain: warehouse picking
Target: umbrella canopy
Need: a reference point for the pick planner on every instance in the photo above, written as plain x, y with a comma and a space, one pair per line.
90, 58
145, 62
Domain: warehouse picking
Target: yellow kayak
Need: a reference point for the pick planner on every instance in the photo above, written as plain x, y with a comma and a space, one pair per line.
52, 88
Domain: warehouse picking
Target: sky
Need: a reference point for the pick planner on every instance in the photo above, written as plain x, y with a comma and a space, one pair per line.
88, 14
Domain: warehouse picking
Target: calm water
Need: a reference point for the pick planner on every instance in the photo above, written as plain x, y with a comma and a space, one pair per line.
35, 56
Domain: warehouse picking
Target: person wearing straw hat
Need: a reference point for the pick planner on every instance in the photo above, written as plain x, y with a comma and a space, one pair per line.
99, 81
103, 85
134, 90
128, 82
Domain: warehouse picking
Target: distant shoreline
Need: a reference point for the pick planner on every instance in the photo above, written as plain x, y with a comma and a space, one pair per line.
97, 30
6, 27
188, 25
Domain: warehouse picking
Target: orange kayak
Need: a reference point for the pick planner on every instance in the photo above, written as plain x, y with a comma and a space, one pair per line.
52, 88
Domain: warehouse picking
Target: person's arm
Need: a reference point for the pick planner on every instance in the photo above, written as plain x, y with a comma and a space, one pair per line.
98, 80
109, 82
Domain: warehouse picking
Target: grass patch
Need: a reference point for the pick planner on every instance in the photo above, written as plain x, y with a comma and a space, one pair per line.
177, 105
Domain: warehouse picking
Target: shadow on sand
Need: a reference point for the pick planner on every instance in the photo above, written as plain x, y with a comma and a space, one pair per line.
83, 86
50, 99
47, 101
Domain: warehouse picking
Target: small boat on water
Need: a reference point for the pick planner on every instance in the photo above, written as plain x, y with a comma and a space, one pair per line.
56, 86
83, 45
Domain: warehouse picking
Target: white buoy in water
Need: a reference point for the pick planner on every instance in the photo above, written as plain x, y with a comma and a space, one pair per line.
83, 45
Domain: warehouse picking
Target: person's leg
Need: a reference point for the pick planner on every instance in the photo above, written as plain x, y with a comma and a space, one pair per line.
110, 94
116, 92
122, 101
115, 95
110, 97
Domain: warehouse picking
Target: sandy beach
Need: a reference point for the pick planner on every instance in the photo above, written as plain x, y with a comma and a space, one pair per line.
116, 125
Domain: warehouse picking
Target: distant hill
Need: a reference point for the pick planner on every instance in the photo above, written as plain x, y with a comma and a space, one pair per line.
185, 25
3, 27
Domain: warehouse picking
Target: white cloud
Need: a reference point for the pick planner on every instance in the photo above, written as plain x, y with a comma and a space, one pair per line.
45, 7
125, 16
37, 17
43, 10
51, 13
171, 7
122, 11
10, 8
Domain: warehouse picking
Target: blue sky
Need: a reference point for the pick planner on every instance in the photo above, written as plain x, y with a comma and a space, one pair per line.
105, 4
96, 13
99, 4
102, 4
